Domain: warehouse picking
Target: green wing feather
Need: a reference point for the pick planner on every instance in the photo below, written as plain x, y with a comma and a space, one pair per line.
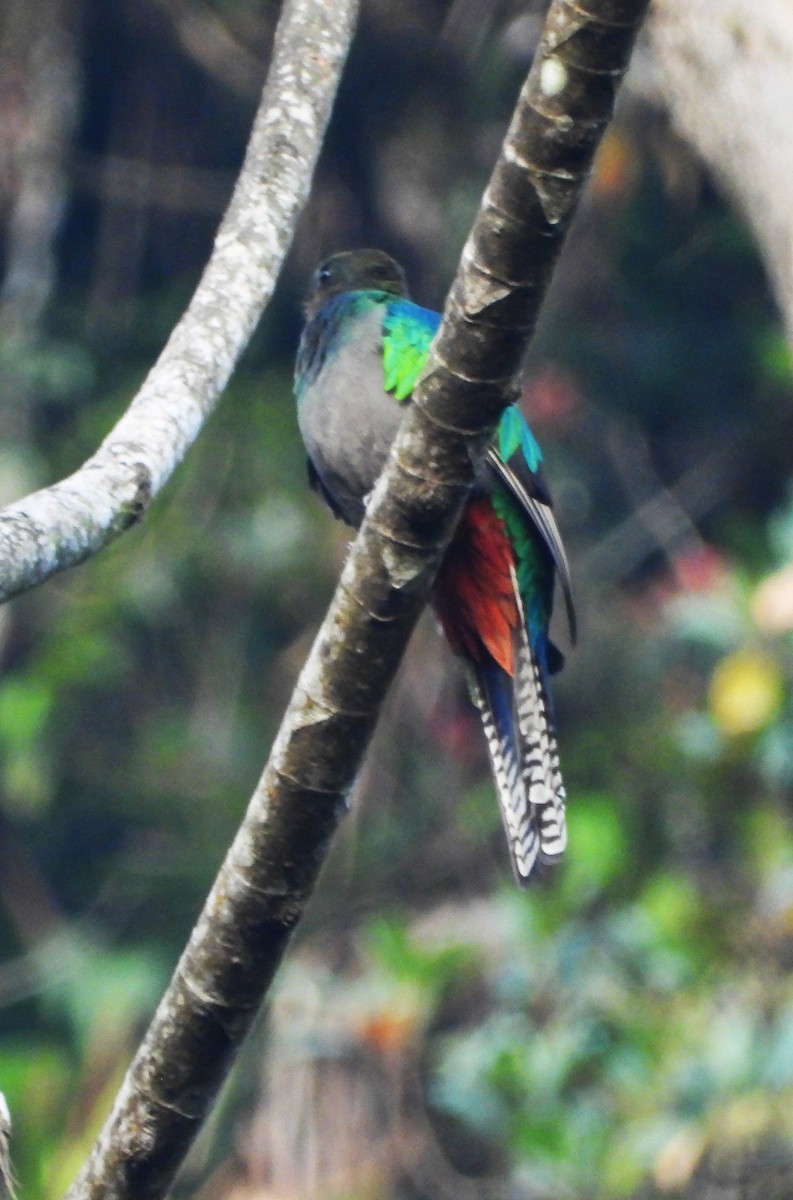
408, 331
534, 568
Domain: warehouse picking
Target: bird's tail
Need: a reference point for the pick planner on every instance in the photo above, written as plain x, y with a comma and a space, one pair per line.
542, 777
518, 726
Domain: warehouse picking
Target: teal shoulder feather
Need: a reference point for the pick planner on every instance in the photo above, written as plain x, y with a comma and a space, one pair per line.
513, 434
408, 331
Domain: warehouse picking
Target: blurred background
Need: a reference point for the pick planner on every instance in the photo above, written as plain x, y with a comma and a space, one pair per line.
433, 1033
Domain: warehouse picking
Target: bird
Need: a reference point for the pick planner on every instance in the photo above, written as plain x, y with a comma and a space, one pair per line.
361, 353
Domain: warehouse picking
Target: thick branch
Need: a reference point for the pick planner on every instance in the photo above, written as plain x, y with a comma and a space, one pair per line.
272, 866
727, 77
66, 523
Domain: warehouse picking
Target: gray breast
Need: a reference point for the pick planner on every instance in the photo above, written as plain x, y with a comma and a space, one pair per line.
347, 419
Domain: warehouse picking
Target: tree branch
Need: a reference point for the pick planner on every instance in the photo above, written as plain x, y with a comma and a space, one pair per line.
64, 524
6, 1174
726, 75
271, 868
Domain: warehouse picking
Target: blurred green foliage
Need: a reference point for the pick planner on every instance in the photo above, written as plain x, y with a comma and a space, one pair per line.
610, 1027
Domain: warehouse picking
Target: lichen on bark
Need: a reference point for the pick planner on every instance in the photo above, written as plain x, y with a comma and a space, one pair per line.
62, 525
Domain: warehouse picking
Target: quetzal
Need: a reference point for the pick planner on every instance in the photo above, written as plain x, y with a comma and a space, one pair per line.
361, 353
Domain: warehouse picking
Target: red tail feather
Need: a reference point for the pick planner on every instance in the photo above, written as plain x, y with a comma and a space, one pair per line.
474, 595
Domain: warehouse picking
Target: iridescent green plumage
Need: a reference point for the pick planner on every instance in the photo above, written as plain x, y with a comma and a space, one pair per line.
513, 436
407, 333
361, 356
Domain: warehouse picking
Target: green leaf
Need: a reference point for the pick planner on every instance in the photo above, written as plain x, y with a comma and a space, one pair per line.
25, 705
597, 849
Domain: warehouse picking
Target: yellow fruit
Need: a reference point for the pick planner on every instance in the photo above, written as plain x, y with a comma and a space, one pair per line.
746, 692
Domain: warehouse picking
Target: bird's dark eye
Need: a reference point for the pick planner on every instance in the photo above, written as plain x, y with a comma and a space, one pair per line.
324, 274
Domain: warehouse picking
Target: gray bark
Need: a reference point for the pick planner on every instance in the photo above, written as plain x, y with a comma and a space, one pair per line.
66, 523
6, 1176
726, 75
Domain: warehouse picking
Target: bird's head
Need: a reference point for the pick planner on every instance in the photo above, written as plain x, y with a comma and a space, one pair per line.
354, 271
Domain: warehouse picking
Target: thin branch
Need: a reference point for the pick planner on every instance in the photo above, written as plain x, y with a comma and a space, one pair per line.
39, 43
64, 524
210, 43
269, 873
665, 520
39, 40
173, 187
6, 1174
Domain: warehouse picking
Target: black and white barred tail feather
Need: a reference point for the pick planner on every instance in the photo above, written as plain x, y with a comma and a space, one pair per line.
491, 690
542, 777
521, 741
